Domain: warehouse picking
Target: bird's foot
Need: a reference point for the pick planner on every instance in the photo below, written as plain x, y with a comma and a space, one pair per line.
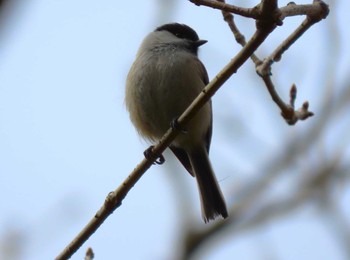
148, 153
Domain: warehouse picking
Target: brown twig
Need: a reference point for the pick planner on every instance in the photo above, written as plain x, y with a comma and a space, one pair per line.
257, 13
239, 37
292, 116
315, 12
265, 68
221, 5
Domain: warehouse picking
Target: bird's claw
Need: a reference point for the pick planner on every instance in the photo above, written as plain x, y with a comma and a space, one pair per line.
148, 153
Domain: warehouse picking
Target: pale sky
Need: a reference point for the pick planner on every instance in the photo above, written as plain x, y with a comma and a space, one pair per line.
66, 140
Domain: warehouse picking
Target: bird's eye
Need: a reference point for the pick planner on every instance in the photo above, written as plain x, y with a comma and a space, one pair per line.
179, 35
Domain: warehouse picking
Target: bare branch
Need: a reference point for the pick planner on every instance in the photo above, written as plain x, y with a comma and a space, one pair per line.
264, 69
239, 37
221, 5
321, 175
315, 12
268, 17
115, 198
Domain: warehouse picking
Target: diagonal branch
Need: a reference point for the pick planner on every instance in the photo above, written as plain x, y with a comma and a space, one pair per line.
268, 17
115, 198
264, 68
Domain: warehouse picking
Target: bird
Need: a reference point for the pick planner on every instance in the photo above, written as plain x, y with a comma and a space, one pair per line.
164, 79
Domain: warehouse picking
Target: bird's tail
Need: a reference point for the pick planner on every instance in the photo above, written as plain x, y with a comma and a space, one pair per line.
212, 200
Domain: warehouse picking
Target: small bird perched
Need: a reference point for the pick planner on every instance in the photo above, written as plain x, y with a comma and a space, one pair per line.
163, 81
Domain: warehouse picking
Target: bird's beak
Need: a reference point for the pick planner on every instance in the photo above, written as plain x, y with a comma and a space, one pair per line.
200, 42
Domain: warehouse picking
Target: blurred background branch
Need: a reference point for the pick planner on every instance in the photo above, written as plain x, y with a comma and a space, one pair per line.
62, 124
316, 183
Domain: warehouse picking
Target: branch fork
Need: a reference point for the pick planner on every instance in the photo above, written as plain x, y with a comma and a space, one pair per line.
268, 16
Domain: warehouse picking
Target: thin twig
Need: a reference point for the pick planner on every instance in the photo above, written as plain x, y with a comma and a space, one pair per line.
256, 12
239, 37
264, 69
315, 12
317, 9
221, 5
